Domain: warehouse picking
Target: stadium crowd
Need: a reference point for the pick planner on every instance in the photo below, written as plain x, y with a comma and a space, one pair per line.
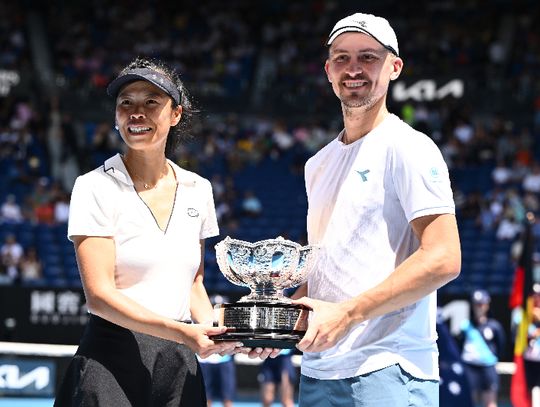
257, 74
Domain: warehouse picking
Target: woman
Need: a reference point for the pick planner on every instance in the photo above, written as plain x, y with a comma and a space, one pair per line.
138, 224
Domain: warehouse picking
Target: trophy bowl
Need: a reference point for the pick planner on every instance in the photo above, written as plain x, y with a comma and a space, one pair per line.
265, 317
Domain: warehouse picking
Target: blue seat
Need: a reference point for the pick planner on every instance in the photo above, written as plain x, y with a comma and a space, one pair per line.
52, 272
72, 272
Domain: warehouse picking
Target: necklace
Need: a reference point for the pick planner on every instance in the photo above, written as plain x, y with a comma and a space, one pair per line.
144, 184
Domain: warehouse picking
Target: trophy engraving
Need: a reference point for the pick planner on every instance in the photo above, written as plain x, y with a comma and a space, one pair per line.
265, 317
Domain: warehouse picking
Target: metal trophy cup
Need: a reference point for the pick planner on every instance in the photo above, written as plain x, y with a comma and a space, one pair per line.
264, 318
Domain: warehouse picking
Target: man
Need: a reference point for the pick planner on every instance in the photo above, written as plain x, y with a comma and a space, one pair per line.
483, 340
381, 208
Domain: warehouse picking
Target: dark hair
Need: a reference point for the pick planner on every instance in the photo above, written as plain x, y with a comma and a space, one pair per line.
179, 132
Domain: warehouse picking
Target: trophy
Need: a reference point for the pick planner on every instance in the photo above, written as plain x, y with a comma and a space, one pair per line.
265, 317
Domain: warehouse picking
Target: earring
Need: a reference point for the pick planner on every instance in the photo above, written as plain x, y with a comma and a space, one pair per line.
116, 127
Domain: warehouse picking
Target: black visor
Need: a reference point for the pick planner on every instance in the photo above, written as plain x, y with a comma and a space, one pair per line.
145, 74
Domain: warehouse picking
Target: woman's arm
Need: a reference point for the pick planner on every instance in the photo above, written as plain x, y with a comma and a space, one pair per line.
200, 306
96, 259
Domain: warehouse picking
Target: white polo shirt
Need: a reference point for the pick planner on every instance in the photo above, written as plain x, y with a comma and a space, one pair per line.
153, 267
361, 198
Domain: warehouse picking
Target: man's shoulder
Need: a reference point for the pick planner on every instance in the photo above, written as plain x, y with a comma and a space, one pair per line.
406, 141
323, 152
402, 132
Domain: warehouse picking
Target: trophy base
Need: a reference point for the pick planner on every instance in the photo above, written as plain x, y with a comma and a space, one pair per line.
261, 340
262, 324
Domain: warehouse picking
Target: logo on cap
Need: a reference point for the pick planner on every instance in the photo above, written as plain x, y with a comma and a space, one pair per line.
361, 23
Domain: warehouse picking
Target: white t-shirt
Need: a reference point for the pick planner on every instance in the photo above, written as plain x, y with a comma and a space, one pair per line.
361, 198
153, 267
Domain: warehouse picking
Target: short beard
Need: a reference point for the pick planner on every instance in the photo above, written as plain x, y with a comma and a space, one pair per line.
352, 104
355, 102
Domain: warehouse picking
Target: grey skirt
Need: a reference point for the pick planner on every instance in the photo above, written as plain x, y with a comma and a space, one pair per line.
116, 367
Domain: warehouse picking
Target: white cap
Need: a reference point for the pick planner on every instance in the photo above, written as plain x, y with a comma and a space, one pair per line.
377, 27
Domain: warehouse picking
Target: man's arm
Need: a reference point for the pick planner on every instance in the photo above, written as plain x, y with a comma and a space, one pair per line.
436, 262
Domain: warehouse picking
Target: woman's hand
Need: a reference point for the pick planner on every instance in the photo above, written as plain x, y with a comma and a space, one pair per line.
198, 339
262, 353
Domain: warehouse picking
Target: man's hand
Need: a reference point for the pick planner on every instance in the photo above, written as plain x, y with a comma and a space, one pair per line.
329, 323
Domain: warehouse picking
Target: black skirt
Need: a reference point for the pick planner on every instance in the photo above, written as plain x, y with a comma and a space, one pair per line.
116, 367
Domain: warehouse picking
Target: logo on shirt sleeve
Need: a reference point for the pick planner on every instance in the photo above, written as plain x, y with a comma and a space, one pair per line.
435, 174
192, 212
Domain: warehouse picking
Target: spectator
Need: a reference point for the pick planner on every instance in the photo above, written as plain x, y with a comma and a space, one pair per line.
11, 249
30, 265
508, 228
464, 132
531, 181
4, 278
486, 220
502, 173
531, 356
483, 342
218, 187
43, 209
61, 208
251, 205
11, 268
10, 212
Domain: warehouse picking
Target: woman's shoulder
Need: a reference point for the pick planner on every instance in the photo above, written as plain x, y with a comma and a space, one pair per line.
106, 175
189, 178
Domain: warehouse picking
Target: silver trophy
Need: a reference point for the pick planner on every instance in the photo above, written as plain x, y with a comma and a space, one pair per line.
264, 317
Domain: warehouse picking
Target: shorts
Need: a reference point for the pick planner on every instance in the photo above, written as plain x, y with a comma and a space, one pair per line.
388, 387
272, 369
532, 373
220, 380
482, 378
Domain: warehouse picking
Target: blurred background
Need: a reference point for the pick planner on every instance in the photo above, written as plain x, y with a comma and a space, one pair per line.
255, 70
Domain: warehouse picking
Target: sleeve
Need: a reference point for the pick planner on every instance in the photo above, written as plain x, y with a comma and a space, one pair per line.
501, 340
209, 227
91, 209
421, 178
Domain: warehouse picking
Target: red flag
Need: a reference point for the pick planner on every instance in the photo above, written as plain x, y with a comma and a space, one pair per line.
521, 298
516, 296
519, 393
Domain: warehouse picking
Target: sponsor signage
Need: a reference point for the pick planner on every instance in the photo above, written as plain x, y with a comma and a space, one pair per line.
42, 315
32, 377
50, 307
427, 90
